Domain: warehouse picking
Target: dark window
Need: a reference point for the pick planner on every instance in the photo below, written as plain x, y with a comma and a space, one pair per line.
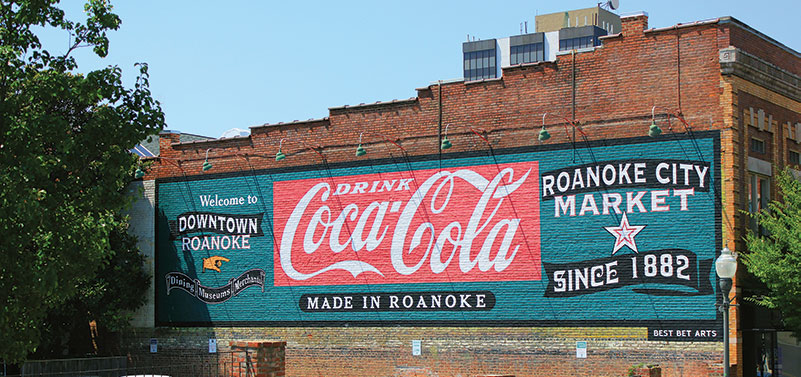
757, 145
577, 43
528, 53
793, 158
479, 65
758, 198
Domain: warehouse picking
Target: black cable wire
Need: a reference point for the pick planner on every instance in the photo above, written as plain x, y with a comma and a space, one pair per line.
271, 228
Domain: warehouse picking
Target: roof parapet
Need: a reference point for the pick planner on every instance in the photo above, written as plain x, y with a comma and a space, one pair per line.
378, 103
292, 123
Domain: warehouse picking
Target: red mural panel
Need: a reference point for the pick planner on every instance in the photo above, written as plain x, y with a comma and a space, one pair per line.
467, 224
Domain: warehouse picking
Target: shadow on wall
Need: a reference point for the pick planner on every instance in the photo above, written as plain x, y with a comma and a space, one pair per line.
178, 305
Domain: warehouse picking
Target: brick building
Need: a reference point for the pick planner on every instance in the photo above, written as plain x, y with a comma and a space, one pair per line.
459, 240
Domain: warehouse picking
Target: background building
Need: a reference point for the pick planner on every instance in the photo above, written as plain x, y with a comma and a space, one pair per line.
506, 223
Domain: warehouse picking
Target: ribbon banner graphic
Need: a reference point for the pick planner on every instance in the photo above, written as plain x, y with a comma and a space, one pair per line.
215, 295
667, 266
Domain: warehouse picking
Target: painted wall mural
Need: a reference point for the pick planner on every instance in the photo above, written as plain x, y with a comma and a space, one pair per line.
619, 232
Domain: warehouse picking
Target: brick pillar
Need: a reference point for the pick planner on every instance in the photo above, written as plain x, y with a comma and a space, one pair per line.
166, 138
634, 25
260, 358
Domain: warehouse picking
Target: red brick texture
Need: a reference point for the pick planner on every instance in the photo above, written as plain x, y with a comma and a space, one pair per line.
615, 87
258, 358
452, 351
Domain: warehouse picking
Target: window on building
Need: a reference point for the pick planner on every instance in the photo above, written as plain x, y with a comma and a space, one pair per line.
528, 53
577, 43
793, 157
757, 145
479, 65
758, 198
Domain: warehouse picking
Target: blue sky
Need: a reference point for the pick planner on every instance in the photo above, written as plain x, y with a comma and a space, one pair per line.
219, 65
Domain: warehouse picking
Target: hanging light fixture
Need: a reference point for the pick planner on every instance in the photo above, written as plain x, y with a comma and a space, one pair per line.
139, 173
544, 135
445, 142
280, 155
654, 130
360, 150
206, 164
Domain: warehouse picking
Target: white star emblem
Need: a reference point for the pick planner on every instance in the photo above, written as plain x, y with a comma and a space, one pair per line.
624, 234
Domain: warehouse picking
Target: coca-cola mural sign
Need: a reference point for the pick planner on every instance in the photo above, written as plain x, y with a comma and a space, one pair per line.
426, 226
614, 233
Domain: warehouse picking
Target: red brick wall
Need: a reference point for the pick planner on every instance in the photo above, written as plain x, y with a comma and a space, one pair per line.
616, 87
758, 46
452, 351
262, 358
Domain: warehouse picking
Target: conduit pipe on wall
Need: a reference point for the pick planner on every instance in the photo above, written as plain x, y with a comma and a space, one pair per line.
678, 66
573, 84
439, 121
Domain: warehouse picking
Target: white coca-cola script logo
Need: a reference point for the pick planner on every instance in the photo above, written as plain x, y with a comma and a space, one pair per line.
453, 223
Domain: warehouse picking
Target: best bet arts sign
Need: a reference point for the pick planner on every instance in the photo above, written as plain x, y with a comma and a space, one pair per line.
619, 233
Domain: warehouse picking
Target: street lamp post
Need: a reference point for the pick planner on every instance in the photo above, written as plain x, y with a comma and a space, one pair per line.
726, 267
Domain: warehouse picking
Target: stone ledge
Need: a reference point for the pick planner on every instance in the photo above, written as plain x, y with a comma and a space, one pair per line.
734, 61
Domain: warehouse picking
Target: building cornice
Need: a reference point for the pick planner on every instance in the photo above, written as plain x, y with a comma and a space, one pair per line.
736, 62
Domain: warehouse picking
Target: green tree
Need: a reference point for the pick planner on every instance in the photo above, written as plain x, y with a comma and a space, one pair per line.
109, 298
775, 258
64, 160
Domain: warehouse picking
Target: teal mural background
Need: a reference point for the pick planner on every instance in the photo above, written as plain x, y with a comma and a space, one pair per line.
563, 240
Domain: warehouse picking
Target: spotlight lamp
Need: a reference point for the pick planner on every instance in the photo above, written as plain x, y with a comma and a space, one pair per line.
654, 130
445, 142
206, 164
139, 173
360, 150
280, 155
544, 135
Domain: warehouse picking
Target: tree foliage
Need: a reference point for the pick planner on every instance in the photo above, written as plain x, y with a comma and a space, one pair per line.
775, 259
108, 298
64, 160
